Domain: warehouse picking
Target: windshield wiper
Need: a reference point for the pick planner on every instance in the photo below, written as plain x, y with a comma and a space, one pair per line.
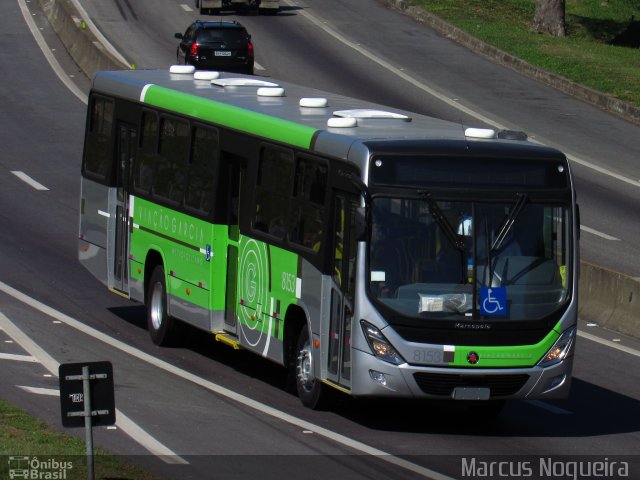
442, 221
507, 226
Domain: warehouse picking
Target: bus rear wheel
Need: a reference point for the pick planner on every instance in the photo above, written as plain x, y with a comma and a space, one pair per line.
311, 391
162, 327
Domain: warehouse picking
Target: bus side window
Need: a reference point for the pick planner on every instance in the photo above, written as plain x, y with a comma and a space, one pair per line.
143, 170
345, 243
273, 191
307, 224
98, 161
203, 169
339, 229
170, 172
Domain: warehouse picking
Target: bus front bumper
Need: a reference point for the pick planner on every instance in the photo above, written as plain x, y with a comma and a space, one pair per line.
376, 378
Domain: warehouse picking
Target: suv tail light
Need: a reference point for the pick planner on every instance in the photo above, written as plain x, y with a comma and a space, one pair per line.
250, 50
194, 50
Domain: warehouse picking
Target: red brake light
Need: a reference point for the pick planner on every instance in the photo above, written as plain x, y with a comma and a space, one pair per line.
194, 49
250, 50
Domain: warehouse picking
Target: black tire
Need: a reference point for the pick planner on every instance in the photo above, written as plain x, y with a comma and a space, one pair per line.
163, 329
311, 391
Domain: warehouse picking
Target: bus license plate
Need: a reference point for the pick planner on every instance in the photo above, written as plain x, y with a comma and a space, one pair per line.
222, 53
471, 393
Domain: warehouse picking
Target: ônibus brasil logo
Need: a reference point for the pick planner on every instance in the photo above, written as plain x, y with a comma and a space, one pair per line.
35, 468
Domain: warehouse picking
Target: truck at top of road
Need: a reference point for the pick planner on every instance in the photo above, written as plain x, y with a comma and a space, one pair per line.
214, 7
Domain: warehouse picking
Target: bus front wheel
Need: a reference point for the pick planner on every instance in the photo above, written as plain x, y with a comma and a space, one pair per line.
311, 391
162, 327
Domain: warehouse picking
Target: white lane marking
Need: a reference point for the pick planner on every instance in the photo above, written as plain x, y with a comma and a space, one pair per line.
608, 343
132, 429
186, 8
122, 421
257, 66
52, 392
599, 234
213, 387
55, 66
28, 180
449, 101
604, 171
125, 424
549, 407
18, 358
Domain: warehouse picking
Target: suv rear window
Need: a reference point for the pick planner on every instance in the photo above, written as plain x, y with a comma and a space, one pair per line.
221, 34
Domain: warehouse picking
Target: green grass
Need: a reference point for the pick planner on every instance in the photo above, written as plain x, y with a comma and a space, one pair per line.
586, 55
22, 435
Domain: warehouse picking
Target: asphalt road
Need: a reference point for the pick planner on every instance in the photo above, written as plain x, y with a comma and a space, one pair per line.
393, 60
228, 412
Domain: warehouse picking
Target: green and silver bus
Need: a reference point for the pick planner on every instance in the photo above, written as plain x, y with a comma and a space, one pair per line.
372, 251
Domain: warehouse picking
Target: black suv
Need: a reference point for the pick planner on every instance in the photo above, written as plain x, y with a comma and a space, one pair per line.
216, 46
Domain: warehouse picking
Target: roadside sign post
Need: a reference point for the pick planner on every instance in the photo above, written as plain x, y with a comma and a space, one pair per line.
87, 399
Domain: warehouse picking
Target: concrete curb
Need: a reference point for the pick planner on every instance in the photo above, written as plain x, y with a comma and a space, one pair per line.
78, 36
608, 298
608, 103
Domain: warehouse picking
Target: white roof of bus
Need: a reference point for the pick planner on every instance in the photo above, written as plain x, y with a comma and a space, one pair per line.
314, 108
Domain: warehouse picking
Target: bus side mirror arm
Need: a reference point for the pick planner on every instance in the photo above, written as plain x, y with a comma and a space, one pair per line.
361, 212
364, 190
361, 224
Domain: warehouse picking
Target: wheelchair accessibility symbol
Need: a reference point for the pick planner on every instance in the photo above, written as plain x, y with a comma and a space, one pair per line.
493, 301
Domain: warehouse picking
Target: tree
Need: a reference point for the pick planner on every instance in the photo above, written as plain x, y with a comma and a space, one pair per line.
549, 17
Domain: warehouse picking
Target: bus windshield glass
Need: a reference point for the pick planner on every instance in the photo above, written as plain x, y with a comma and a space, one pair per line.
442, 259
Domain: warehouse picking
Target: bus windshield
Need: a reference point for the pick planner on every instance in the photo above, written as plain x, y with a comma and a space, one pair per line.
434, 259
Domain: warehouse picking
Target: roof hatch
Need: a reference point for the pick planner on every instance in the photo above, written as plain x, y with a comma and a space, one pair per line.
365, 113
242, 82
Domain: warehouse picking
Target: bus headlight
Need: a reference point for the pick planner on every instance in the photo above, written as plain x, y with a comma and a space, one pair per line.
379, 345
560, 349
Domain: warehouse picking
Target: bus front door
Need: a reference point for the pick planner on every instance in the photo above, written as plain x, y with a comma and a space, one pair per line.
342, 288
126, 139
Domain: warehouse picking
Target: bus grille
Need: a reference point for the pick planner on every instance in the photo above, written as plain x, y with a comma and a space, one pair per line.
443, 384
